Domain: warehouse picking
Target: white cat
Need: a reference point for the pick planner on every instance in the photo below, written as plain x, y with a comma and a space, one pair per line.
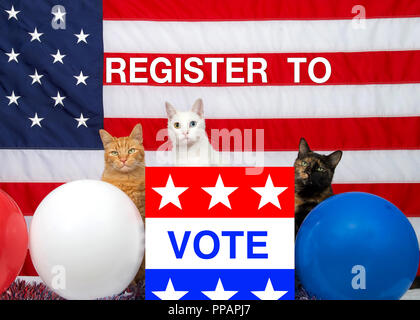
187, 132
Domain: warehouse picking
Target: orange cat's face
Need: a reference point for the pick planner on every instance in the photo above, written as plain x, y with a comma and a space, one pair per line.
124, 154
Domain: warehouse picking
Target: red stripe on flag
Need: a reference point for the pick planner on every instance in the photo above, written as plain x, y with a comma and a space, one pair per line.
28, 268
375, 67
401, 194
388, 133
218, 10
28, 195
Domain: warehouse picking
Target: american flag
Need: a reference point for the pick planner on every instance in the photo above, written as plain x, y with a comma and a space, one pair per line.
55, 95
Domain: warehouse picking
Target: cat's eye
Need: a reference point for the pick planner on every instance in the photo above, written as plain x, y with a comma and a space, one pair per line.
304, 163
177, 125
114, 153
193, 124
320, 169
131, 151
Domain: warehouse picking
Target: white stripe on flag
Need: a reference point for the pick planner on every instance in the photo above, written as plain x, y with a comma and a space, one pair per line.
266, 102
415, 222
372, 166
261, 36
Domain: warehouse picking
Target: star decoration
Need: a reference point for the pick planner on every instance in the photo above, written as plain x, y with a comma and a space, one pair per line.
169, 293
35, 35
36, 121
269, 293
81, 36
170, 193
12, 13
13, 55
219, 193
81, 121
269, 193
58, 15
58, 99
36, 77
81, 78
219, 293
58, 57
13, 99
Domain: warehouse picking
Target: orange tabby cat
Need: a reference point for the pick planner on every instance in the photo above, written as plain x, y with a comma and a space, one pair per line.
124, 168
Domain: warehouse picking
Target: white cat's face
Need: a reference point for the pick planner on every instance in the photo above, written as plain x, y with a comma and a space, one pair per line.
186, 127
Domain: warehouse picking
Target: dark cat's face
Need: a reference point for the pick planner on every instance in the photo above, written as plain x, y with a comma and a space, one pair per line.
314, 171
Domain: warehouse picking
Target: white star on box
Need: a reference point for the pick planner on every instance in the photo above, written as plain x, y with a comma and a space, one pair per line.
81, 36
81, 121
219, 293
58, 99
36, 77
35, 35
58, 57
169, 293
12, 13
170, 193
58, 15
13, 55
269, 293
269, 193
219, 193
36, 121
81, 78
13, 99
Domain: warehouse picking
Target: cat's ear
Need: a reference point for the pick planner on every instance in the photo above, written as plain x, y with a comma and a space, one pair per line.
198, 107
137, 133
335, 157
105, 137
170, 110
303, 147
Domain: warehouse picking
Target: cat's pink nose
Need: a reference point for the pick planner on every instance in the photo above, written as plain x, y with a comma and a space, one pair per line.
123, 160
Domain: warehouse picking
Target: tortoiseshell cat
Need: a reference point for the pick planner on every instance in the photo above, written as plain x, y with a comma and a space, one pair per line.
313, 176
124, 168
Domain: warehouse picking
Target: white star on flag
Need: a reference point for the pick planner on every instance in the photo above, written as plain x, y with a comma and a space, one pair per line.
81, 36
13, 99
219, 193
13, 55
58, 15
35, 35
170, 293
170, 193
219, 293
36, 121
81, 121
269, 193
81, 78
58, 57
58, 99
36, 77
269, 293
12, 13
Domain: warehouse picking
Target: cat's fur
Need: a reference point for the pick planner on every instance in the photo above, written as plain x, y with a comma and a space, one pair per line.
313, 176
124, 168
187, 133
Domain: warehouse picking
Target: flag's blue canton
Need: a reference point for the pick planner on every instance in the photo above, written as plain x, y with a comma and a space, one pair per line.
32, 85
189, 284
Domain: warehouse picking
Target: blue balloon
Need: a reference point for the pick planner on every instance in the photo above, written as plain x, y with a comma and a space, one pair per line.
356, 245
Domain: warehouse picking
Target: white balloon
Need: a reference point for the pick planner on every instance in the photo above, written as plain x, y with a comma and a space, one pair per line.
87, 240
